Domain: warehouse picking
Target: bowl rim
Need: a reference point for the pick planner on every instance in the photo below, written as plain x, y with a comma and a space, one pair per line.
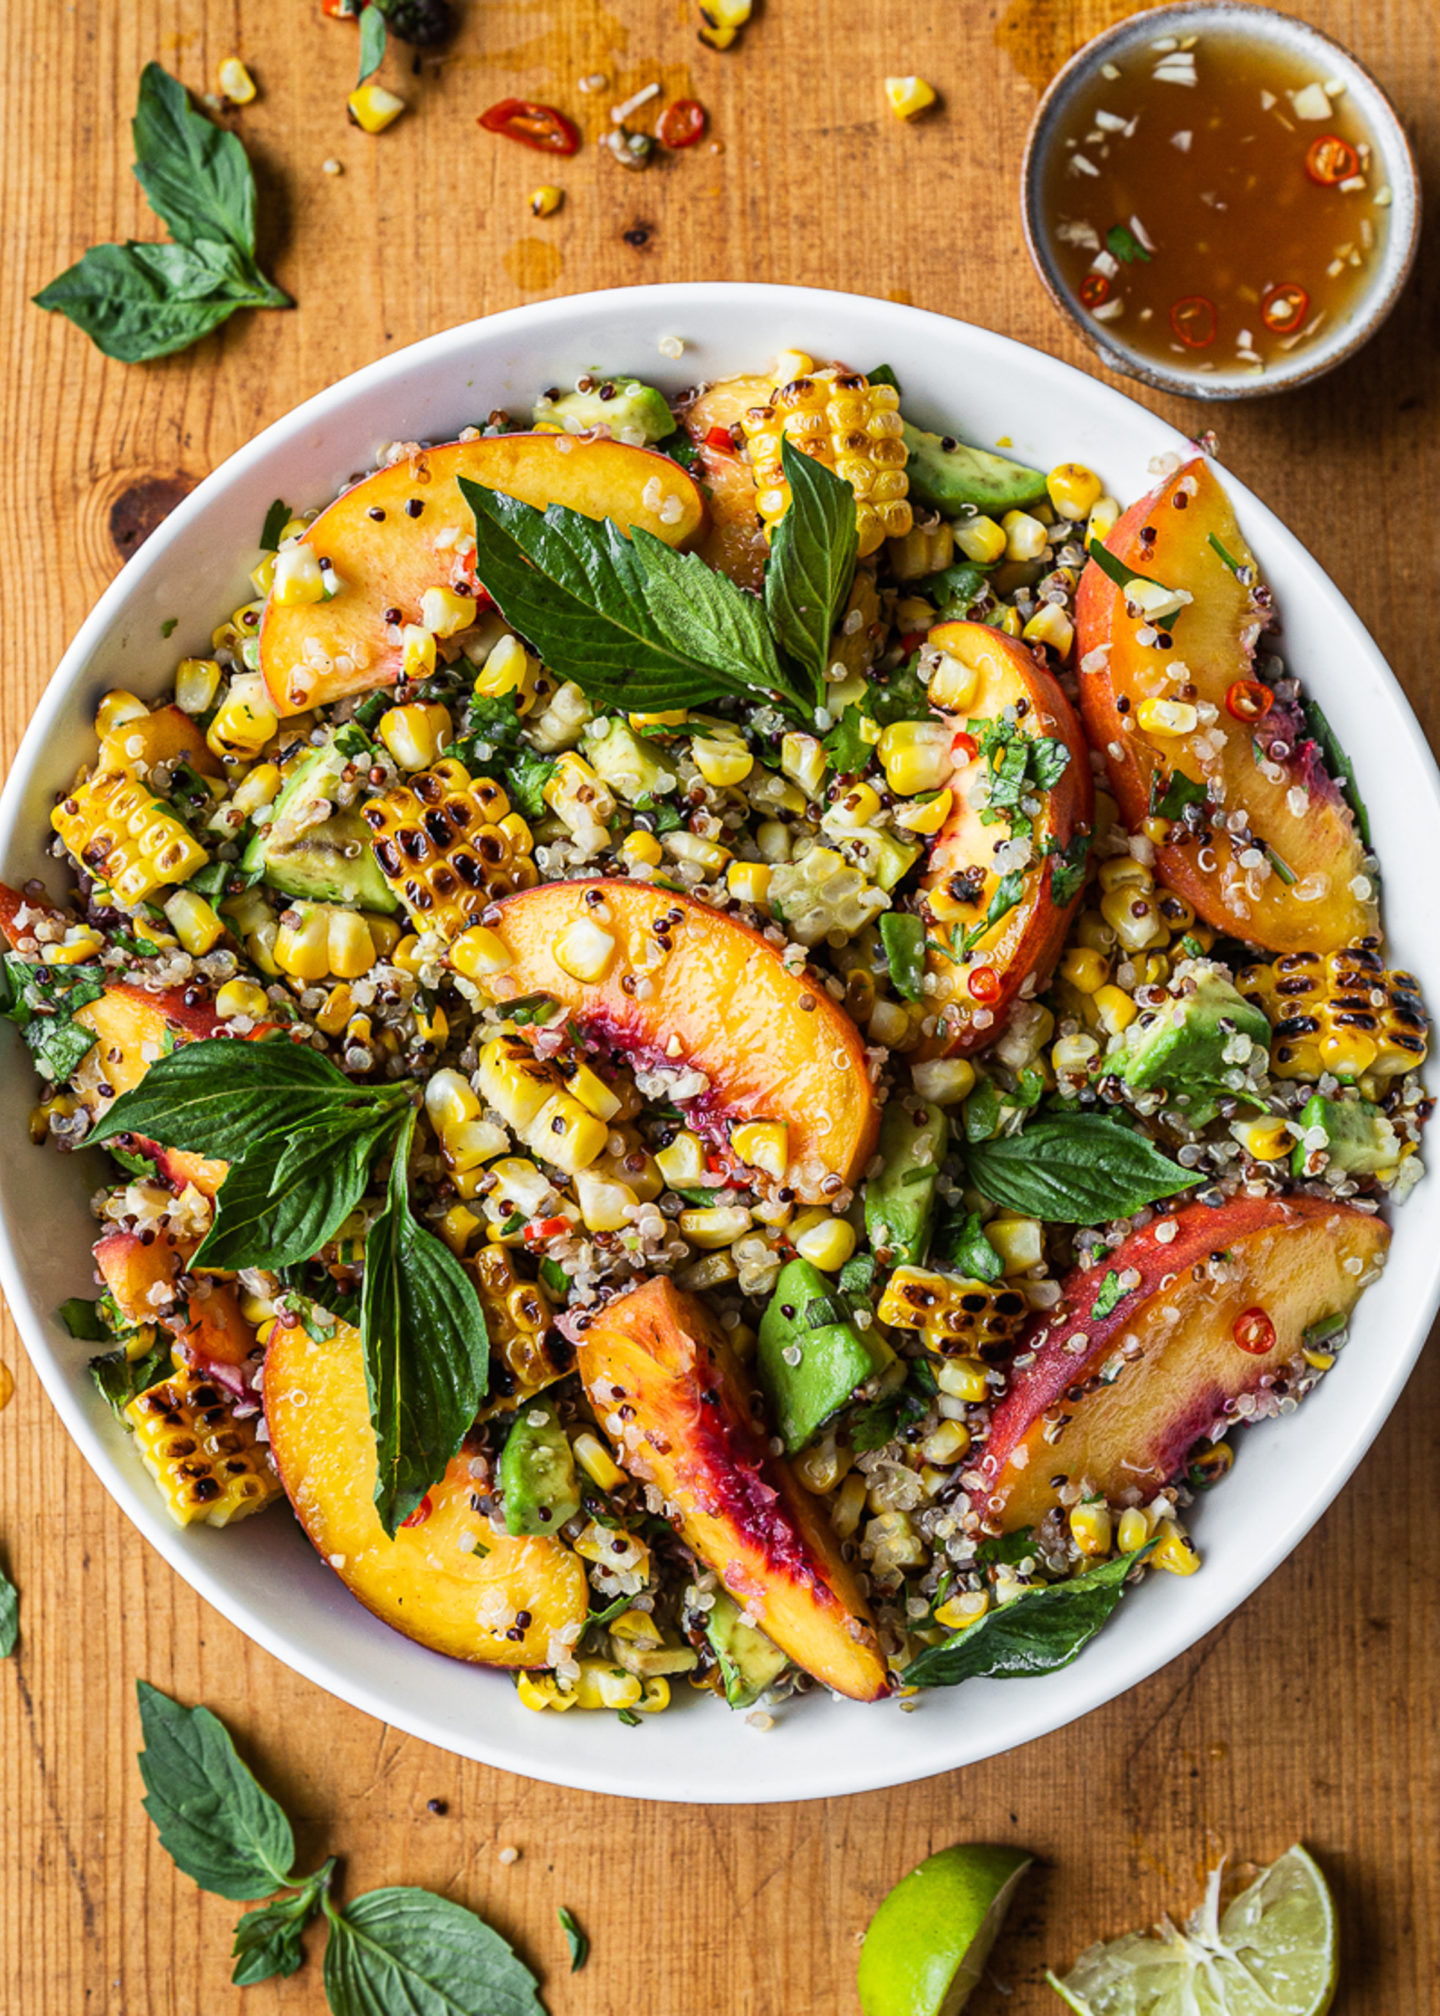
849, 1769
1399, 156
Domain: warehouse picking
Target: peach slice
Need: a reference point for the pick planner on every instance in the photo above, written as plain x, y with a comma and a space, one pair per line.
978, 986
1116, 1401
408, 528
448, 1580
169, 735
1268, 768
735, 540
663, 1379
213, 1334
717, 999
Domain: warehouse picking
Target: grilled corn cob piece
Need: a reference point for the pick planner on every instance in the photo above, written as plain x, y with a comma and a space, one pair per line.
531, 1096
955, 1318
527, 1352
850, 425
1345, 1012
123, 836
207, 1464
441, 845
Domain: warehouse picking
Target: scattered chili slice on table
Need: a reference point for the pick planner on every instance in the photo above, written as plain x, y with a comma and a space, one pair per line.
1284, 308
1254, 1332
1193, 320
1330, 160
681, 124
1249, 700
1094, 290
537, 126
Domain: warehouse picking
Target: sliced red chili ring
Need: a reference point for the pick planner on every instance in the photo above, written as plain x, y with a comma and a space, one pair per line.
1330, 160
721, 440
537, 126
1193, 320
912, 640
681, 124
420, 1514
964, 745
1249, 700
342, 10
1254, 1332
984, 985
1285, 307
1094, 289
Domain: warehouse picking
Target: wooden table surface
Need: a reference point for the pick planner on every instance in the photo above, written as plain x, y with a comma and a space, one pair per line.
1312, 1713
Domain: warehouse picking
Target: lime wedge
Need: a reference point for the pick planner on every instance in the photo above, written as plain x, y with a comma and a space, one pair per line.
928, 1943
1272, 1953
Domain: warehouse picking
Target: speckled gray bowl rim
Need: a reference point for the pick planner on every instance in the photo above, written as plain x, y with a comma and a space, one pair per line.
1392, 146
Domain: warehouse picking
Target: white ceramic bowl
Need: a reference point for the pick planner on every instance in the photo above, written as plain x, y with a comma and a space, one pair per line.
263, 1575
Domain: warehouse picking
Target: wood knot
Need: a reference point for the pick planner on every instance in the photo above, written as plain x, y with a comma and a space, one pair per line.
141, 506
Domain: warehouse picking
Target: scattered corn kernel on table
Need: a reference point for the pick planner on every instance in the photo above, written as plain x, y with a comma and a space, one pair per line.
1311, 1713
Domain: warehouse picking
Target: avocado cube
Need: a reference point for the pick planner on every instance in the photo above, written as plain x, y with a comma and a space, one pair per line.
829, 1355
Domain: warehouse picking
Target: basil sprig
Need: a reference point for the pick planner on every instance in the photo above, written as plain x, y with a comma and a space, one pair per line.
812, 562
42, 1001
1039, 1632
9, 1615
1075, 1169
390, 1950
137, 302
301, 1140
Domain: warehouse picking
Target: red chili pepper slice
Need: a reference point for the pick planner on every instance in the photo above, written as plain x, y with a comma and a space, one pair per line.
1330, 160
1094, 289
420, 1514
681, 124
1248, 700
1254, 1332
721, 440
964, 745
913, 639
984, 985
343, 10
537, 126
1193, 320
545, 1228
1285, 307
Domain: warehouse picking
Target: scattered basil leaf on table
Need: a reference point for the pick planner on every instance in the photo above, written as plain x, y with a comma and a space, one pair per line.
407, 1949
9, 1615
1075, 1170
215, 1822
372, 43
577, 1941
1039, 1632
812, 562
268, 1939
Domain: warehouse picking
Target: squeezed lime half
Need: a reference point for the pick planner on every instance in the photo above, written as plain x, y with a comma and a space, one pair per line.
928, 1943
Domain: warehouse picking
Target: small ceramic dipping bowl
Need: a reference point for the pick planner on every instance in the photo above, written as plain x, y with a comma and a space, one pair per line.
1067, 107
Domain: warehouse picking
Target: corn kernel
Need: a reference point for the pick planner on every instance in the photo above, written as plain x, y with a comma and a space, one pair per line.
1010, 621
682, 1163
545, 200
707, 855
788, 364
927, 816
457, 1228
946, 1444
539, 1691
916, 756
297, 577
764, 1145
260, 787
640, 849
822, 1465
953, 683
849, 1504
449, 1101
416, 734
235, 82
241, 997
594, 1459
508, 668
1134, 1530
407, 955
748, 881
473, 1143
963, 1610
721, 761
1104, 514
1266, 1139
197, 681
584, 951
1175, 1551
444, 613
372, 108
1091, 1528
804, 762
773, 840
1073, 489
1026, 537
1085, 969
1115, 1008
115, 709
672, 717
577, 796
417, 651
826, 1242
193, 921
715, 1226
980, 540
605, 1204
944, 1080
924, 549
1134, 917
855, 808
351, 949
1050, 625
1020, 1242
592, 1091
339, 1007
963, 1379
1167, 717
302, 949
480, 952
908, 97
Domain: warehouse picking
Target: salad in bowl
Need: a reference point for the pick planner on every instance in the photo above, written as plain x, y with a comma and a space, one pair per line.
732, 1039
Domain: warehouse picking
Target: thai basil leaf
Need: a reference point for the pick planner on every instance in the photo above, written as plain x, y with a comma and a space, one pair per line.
9, 1615
372, 43
903, 937
215, 1822
812, 561
1338, 764
407, 1949
577, 1941
82, 1319
120, 1377
1076, 1169
267, 1940
276, 519
1039, 1632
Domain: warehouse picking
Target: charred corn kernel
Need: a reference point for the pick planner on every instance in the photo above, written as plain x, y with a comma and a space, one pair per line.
707, 855
1134, 917
595, 1460
714, 1226
849, 1504
1050, 625
859, 806
545, 200
955, 1317
764, 1145
193, 921
1346, 1012
235, 82
449, 1101
115, 709
981, 540
441, 846
197, 681
927, 817
1115, 1009
804, 762
1086, 970
721, 760
584, 950
444, 613
208, 1465
852, 427
479, 952
123, 836
953, 682
682, 1163
605, 1205
579, 798
822, 1465
1020, 1242
825, 1241
297, 577
1074, 490
1102, 520
1175, 1551
244, 723
592, 1091
945, 1080
1134, 1530
516, 1082
963, 1379
416, 734
641, 850
372, 108
1266, 1139
523, 1358
350, 948
964, 1609
339, 1007
1026, 537
908, 97
241, 997
946, 1444
748, 881
1091, 1528
916, 756
1167, 717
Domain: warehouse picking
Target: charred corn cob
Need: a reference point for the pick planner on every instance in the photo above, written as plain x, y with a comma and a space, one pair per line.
528, 1353
441, 845
1345, 1012
850, 425
531, 1096
123, 836
207, 1464
955, 1318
